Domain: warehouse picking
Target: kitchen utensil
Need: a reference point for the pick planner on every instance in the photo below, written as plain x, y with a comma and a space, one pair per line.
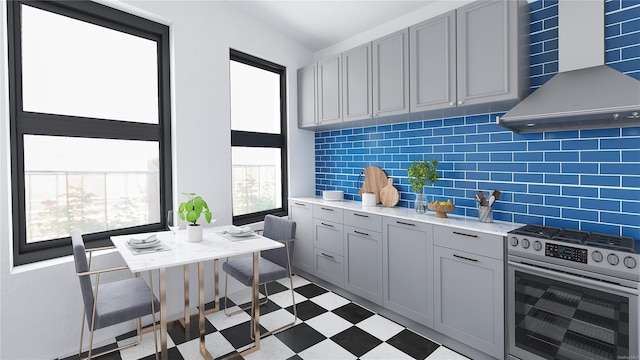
374, 180
496, 193
477, 198
483, 200
389, 194
492, 199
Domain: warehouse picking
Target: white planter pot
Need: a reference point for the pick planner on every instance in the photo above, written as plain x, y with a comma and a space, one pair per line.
194, 233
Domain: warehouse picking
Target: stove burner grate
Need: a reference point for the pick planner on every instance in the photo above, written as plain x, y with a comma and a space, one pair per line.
571, 236
538, 231
612, 242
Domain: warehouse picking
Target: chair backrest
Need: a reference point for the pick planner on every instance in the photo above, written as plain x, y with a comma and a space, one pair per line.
278, 228
80, 258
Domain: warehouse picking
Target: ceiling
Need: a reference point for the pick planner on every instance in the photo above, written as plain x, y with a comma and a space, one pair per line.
317, 24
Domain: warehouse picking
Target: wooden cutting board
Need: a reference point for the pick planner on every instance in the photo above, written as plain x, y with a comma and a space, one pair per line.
374, 180
389, 194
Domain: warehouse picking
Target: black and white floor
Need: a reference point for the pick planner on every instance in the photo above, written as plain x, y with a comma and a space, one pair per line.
329, 326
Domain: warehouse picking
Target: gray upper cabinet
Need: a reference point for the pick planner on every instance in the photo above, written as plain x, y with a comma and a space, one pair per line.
330, 90
433, 63
408, 269
302, 214
391, 74
307, 87
356, 83
490, 65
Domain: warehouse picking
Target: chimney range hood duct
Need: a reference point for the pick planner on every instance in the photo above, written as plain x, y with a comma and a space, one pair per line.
585, 94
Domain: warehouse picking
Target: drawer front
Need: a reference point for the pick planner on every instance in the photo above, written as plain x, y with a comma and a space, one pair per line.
330, 267
327, 213
328, 236
363, 220
469, 241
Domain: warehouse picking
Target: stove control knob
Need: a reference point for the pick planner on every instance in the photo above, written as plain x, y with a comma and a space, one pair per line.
613, 259
525, 243
514, 241
630, 262
596, 256
537, 245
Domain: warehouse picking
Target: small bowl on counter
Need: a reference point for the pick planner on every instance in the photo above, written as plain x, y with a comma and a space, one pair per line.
333, 195
441, 210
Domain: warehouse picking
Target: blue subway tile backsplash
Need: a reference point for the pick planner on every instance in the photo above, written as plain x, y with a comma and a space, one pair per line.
587, 179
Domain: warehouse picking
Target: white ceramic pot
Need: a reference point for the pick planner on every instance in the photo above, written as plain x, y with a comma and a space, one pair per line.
194, 233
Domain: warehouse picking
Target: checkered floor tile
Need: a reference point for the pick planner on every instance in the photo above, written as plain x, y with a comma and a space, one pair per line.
329, 326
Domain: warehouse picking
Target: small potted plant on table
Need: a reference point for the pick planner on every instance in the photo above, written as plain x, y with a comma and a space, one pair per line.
190, 211
420, 173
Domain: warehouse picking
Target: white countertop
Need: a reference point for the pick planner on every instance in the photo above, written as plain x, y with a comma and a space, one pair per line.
499, 228
213, 246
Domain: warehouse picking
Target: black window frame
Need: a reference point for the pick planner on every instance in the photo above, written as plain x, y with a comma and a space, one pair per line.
31, 123
265, 140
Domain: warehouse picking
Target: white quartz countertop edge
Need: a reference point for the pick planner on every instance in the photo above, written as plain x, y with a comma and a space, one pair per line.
499, 228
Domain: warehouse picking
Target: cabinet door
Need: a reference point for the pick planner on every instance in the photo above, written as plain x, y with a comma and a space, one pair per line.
307, 87
391, 74
487, 52
408, 269
302, 214
433, 63
469, 299
363, 263
328, 236
329, 90
356, 83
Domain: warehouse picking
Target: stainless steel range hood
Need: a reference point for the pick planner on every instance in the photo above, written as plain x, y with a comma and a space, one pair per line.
585, 94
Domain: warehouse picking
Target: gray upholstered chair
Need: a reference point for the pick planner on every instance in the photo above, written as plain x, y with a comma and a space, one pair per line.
273, 264
111, 303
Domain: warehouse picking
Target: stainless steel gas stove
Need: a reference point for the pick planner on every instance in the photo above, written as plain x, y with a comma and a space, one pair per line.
601, 253
572, 294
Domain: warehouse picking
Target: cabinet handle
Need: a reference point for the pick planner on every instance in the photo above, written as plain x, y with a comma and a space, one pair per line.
329, 256
459, 102
404, 223
329, 225
452, 103
364, 216
465, 258
463, 234
300, 204
361, 233
324, 208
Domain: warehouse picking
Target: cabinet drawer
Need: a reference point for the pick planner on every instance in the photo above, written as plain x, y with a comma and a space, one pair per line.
469, 241
328, 236
327, 213
363, 220
329, 266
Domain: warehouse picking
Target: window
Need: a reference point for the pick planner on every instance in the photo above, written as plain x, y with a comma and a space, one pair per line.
90, 125
258, 138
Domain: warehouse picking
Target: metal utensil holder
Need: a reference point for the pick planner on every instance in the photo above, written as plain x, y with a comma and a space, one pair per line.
485, 214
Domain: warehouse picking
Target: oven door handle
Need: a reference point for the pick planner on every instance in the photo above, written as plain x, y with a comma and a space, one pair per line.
576, 279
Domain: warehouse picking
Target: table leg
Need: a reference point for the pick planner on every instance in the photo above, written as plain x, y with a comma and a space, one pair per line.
216, 290
203, 350
255, 306
187, 312
163, 314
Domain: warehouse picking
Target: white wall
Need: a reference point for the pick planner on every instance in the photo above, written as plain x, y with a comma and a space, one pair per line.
40, 305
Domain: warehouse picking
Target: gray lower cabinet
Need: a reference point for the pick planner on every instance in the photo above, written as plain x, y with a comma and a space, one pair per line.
469, 288
307, 87
328, 244
391, 74
363, 255
356, 83
408, 269
303, 255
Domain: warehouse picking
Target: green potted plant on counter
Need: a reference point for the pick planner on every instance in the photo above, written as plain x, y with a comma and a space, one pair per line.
190, 211
420, 173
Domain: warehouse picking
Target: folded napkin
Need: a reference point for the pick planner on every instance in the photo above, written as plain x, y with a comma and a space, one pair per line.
239, 230
156, 248
143, 239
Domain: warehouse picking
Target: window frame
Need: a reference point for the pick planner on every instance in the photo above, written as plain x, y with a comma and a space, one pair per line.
31, 123
265, 140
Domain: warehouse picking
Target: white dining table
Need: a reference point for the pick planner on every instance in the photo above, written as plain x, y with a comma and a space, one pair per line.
216, 244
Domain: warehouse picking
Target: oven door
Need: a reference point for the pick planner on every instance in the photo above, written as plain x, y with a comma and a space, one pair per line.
556, 314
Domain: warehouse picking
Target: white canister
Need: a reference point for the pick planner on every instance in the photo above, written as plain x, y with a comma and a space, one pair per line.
368, 199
